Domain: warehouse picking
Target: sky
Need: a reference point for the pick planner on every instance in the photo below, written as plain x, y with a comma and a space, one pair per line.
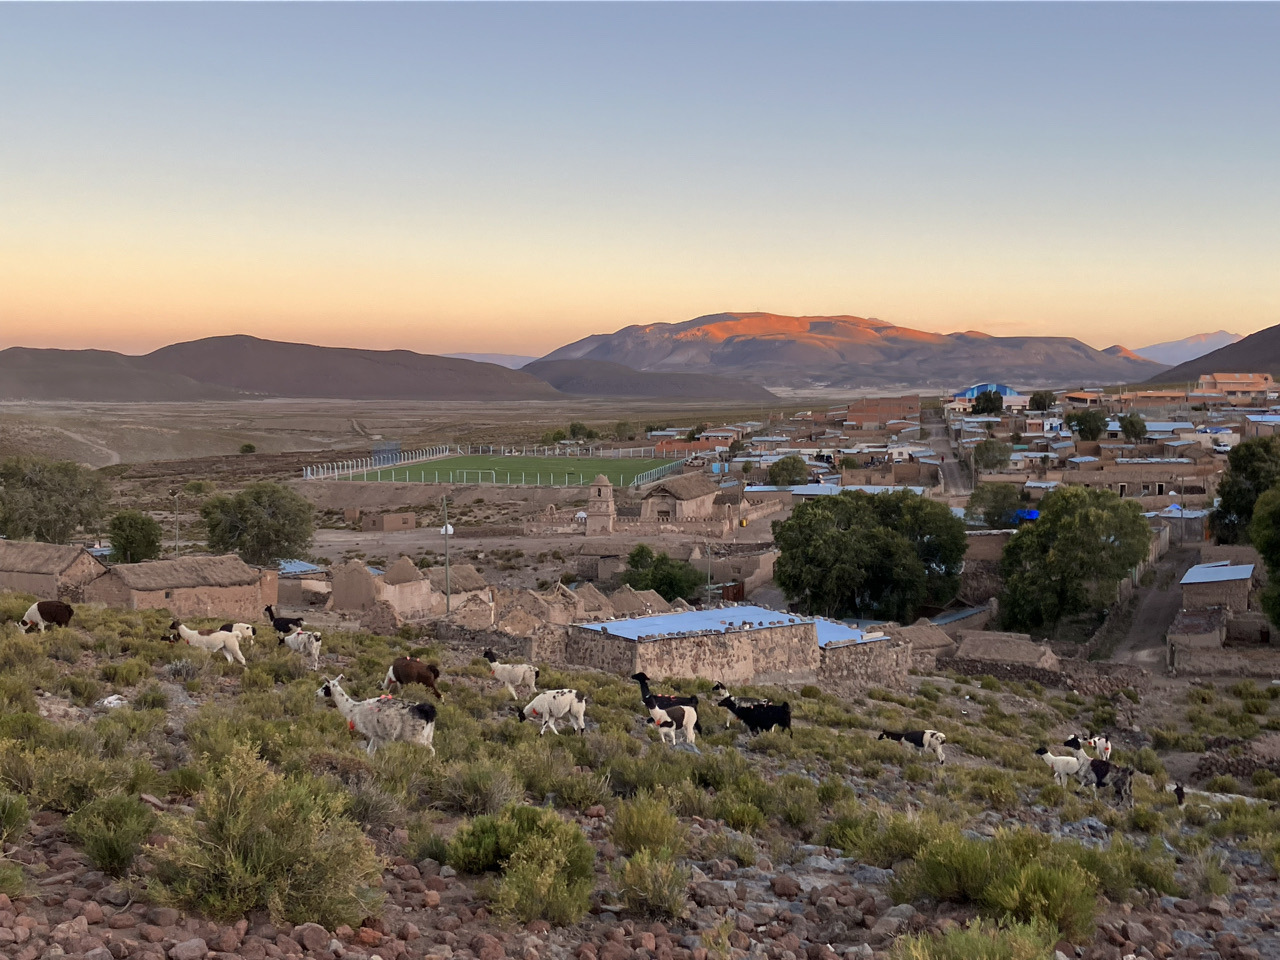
511, 177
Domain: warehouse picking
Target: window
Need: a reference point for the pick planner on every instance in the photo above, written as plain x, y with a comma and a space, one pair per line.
168, 594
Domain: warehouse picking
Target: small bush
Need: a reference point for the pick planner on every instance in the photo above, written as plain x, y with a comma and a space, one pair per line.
738, 814
14, 816
653, 885
1223, 783
151, 697
1256, 705
111, 830
184, 782
126, 673
979, 941
647, 823
1147, 761
481, 786
371, 806
880, 840
12, 882
1145, 820
810, 692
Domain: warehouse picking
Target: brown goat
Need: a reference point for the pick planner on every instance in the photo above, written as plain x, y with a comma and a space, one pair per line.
412, 670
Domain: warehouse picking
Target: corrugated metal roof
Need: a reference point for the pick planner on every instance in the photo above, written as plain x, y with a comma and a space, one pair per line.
1221, 572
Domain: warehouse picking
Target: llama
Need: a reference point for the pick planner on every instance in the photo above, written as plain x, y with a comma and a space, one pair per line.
211, 641
46, 613
1062, 767
513, 674
552, 705
673, 718
665, 700
307, 643
283, 624
926, 741
412, 670
383, 719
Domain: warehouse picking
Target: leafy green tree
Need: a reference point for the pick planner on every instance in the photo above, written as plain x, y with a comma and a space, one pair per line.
1042, 400
747, 467
553, 436
48, 499
736, 447
995, 504
869, 555
695, 432
1253, 467
262, 523
1070, 560
135, 536
672, 579
580, 431
991, 454
850, 463
248, 448
1133, 427
988, 404
1088, 424
788, 471
622, 430
1264, 533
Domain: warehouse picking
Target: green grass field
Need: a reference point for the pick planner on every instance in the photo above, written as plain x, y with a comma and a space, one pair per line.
531, 471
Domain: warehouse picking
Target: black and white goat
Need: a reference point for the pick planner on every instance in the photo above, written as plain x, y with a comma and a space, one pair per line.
46, 613
1100, 773
306, 643
552, 705
665, 700
412, 670
759, 717
383, 719
672, 718
513, 674
926, 741
245, 631
283, 624
721, 693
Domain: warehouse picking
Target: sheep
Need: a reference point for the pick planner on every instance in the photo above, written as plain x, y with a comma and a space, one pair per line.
1063, 767
926, 741
760, 716
412, 670
283, 624
245, 631
552, 705
513, 674
307, 643
673, 718
383, 719
45, 613
211, 641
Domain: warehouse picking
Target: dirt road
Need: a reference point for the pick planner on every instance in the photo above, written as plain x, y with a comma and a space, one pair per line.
1158, 604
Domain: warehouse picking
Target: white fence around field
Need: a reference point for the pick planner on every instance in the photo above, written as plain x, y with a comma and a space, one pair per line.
349, 468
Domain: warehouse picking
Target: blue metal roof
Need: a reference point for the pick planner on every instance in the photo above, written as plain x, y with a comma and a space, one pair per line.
646, 629
294, 567
1221, 572
969, 393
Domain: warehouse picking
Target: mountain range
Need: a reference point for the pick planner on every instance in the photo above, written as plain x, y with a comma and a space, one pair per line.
1173, 352
1257, 353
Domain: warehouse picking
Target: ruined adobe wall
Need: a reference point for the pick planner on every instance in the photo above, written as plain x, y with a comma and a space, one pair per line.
43, 586
82, 572
859, 666
1201, 662
1089, 679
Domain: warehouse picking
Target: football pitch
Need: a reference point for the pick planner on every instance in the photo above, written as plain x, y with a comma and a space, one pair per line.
525, 471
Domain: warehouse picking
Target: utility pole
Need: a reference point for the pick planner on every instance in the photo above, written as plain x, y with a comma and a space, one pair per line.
708, 544
446, 530
176, 521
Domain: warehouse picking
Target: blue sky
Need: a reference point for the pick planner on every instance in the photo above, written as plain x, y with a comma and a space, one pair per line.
509, 177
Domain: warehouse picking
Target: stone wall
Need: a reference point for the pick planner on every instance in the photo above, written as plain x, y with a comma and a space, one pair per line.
1233, 594
859, 666
1089, 679
1200, 662
241, 602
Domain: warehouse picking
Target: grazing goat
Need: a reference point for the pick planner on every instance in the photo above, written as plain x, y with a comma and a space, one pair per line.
1108, 774
513, 674
412, 670
552, 705
926, 741
1063, 767
245, 631
665, 700
210, 641
760, 716
307, 643
1077, 747
673, 718
1102, 745
721, 692
283, 624
384, 719
45, 613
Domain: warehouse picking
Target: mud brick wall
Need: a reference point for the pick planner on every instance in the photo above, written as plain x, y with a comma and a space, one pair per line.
860, 666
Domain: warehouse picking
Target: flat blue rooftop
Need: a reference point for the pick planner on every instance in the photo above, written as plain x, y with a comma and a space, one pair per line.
742, 618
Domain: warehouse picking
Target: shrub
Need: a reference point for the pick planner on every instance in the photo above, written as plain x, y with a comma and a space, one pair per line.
1147, 761
653, 885
880, 840
14, 815
979, 941
12, 882
127, 673
371, 806
111, 830
738, 814
647, 823
1223, 783
184, 782
481, 786
267, 843
1145, 820
151, 697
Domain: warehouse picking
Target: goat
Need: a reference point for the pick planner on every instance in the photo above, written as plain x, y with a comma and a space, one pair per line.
1205, 797
1063, 767
412, 670
1108, 774
926, 741
552, 705
673, 718
283, 624
722, 692
1102, 745
211, 641
760, 716
666, 700
383, 719
46, 613
1077, 747
307, 643
513, 674
245, 631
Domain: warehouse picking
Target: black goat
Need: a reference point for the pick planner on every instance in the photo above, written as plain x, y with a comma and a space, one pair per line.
283, 624
1108, 774
760, 716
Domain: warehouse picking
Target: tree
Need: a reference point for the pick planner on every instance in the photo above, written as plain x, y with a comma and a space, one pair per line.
48, 499
248, 448
788, 471
1089, 424
1133, 427
1264, 533
1253, 467
553, 436
736, 447
622, 430
262, 523
1070, 560
988, 404
877, 555
995, 504
850, 463
695, 432
580, 431
991, 454
135, 536
1043, 400
672, 579
747, 467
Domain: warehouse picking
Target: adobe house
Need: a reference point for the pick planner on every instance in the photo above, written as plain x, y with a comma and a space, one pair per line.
690, 496
1010, 648
50, 571
382, 522
1218, 584
222, 587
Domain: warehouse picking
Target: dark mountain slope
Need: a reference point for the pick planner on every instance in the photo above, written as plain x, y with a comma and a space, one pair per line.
27, 373
600, 378
1257, 353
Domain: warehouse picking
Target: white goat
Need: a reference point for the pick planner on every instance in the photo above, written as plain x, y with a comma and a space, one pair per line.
552, 705
384, 719
1102, 745
1077, 748
1063, 767
245, 631
671, 719
211, 641
307, 643
513, 674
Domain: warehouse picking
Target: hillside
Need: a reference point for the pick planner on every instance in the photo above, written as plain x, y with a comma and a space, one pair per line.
851, 352
87, 375
1257, 353
1174, 352
600, 378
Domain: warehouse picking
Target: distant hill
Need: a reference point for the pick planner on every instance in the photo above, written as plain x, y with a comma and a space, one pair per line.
852, 352
600, 378
1257, 353
1174, 352
27, 373
512, 361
